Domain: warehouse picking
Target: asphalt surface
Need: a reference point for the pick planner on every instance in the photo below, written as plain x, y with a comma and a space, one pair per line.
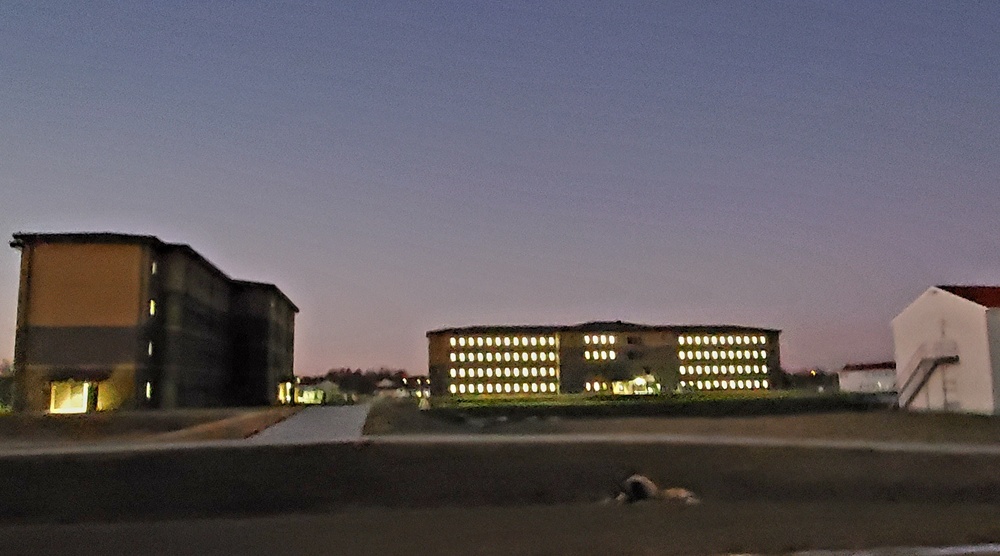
315, 425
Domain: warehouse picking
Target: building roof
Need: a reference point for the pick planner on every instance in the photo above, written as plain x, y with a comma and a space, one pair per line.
22, 238
987, 296
599, 326
880, 366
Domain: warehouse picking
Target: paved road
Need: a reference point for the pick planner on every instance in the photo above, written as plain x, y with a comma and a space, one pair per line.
316, 425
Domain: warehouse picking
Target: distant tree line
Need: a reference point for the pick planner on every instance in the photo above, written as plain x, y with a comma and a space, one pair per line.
359, 381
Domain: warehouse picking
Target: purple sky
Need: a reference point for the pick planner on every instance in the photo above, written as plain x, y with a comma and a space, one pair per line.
394, 168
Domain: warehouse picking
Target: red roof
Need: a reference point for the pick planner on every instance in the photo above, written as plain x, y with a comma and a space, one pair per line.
987, 296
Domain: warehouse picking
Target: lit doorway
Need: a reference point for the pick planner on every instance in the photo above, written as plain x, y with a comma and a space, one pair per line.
71, 396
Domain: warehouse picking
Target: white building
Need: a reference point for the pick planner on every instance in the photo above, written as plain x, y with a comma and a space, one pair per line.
947, 345
868, 378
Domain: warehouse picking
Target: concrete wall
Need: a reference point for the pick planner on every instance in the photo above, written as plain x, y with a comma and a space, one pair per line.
262, 335
935, 316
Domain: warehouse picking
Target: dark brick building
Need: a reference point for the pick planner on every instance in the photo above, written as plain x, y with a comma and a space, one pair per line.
108, 321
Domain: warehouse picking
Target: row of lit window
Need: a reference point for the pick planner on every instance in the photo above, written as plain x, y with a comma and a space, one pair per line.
505, 356
505, 388
745, 354
490, 372
603, 339
599, 355
723, 340
716, 369
723, 384
490, 341
596, 386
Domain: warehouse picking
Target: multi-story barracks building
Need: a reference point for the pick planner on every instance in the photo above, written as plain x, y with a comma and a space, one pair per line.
600, 358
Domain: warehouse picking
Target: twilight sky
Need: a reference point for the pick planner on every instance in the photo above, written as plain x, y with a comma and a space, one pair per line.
399, 167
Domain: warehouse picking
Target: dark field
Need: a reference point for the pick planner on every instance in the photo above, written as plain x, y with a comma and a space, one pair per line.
397, 417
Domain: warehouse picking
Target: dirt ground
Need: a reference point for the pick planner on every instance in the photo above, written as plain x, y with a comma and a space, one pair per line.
38, 429
402, 417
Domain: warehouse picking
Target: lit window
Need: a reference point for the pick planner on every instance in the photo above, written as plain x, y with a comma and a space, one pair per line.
461, 341
506, 341
489, 371
739, 355
729, 340
453, 388
517, 341
461, 372
739, 340
552, 340
506, 371
763, 355
453, 373
479, 342
746, 354
506, 388
698, 369
517, 371
543, 387
715, 369
611, 354
763, 339
586, 355
152, 307
149, 386
517, 387
524, 356
732, 384
524, 340
680, 340
452, 341
604, 338
763, 383
746, 339
542, 340
715, 340
152, 268
461, 357
517, 356
763, 368
543, 356
604, 355
552, 387
534, 356
479, 372
683, 370
755, 339
506, 356
611, 339
534, 371
697, 340
461, 388
586, 338
489, 356
149, 349
453, 356
524, 387
479, 388
489, 388
680, 354
715, 355
534, 387
489, 341
732, 355
588, 387
479, 356
724, 385
739, 369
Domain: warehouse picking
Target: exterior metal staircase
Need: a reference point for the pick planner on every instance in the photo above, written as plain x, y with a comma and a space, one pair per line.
927, 359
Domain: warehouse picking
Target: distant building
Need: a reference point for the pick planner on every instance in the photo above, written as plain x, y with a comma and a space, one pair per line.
947, 346
108, 321
599, 358
868, 378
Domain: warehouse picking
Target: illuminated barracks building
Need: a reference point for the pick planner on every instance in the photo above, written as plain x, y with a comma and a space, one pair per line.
113, 321
600, 358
